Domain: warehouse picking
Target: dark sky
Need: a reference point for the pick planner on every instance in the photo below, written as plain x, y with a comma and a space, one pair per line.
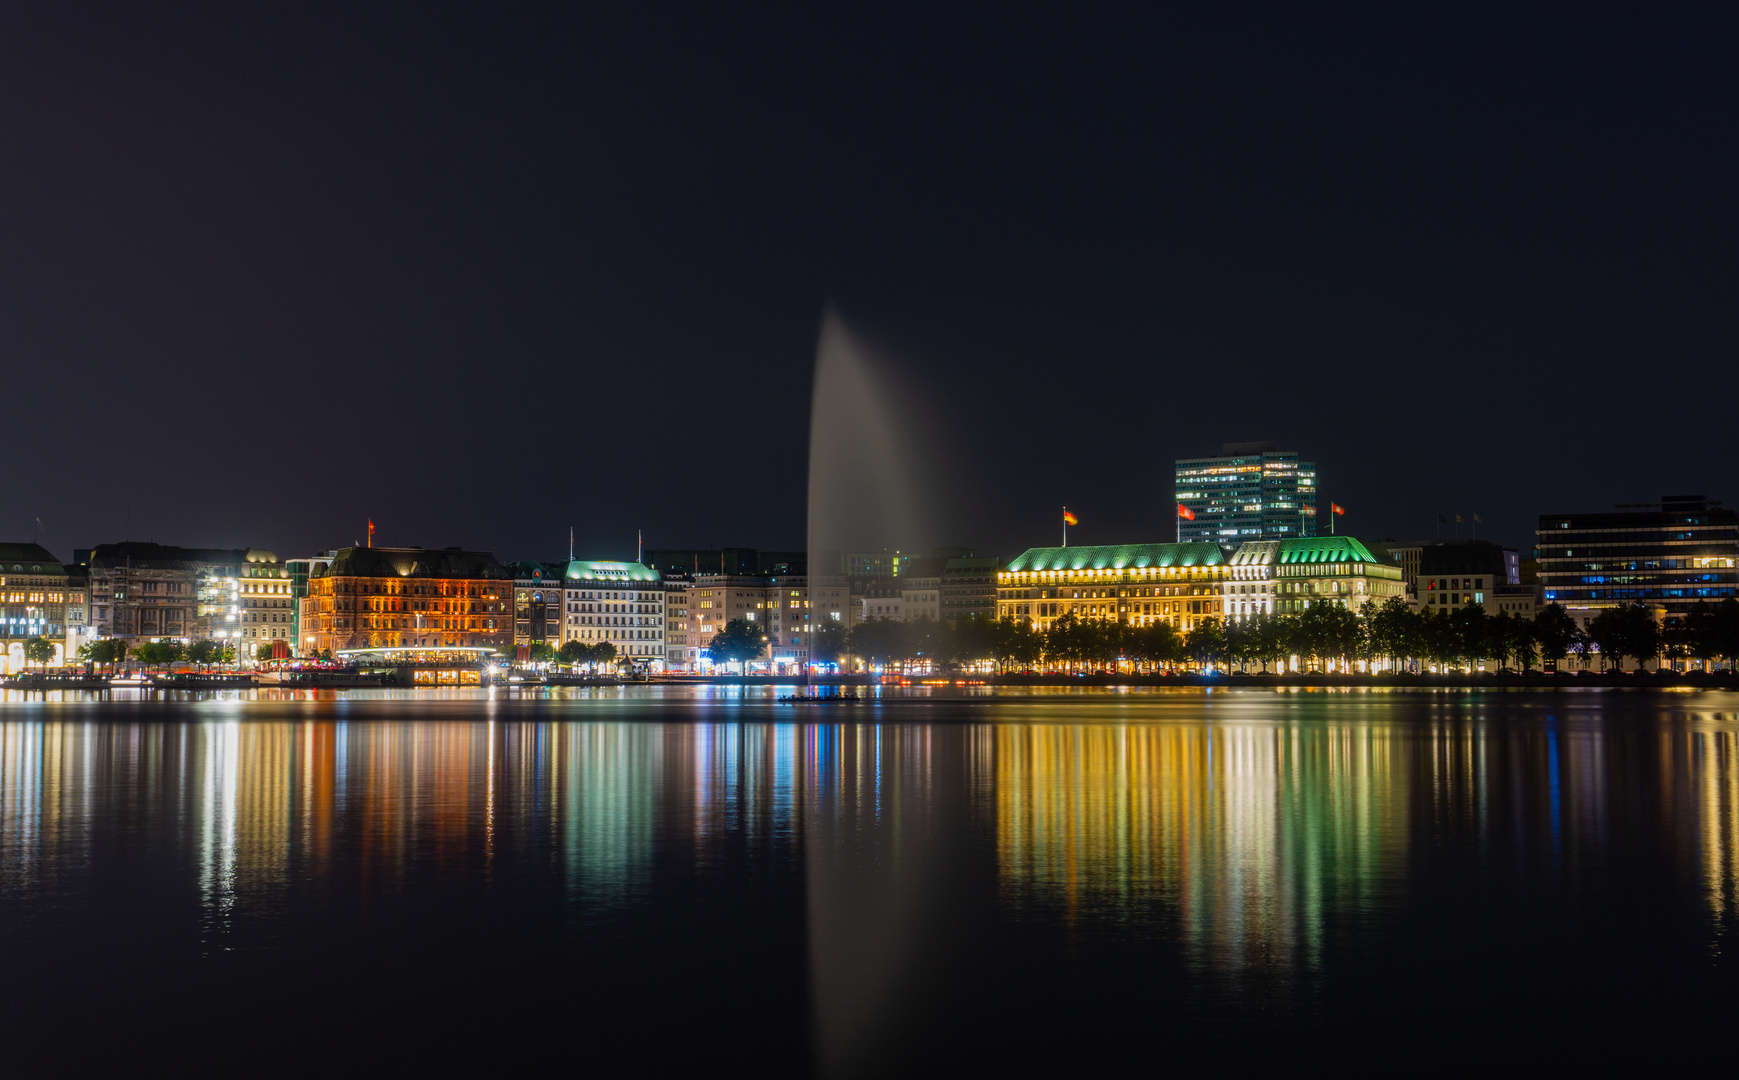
484, 273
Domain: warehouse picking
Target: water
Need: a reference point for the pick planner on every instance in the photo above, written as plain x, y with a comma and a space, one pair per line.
667, 879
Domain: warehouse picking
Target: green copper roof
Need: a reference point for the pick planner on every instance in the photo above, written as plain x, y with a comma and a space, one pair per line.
604, 570
1118, 557
1324, 549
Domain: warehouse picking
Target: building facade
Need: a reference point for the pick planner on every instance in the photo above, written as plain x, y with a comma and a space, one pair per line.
408, 598
1453, 574
266, 606
679, 653
617, 602
539, 604
40, 600
968, 588
1337, 570
144, 592
1248, 491
920, 584
1140, 584
1249, 585
300, 571
1667, 555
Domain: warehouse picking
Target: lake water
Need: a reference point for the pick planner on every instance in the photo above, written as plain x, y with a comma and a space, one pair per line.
697, 878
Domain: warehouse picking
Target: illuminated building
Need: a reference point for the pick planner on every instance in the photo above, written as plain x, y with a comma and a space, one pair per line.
539, 603
371, 598
266, 604
1668, 555
787, 606
1456, 573
300, 571
618, 602
1336, 570
679, 655
1249, 491
1249, 590
36, 592
1139, 584
157, 591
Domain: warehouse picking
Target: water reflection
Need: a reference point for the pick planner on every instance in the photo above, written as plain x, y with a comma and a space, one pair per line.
1257, 846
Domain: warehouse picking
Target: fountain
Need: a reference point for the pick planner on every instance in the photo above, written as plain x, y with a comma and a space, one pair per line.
866, 922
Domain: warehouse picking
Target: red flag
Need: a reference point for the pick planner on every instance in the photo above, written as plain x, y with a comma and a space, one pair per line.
1337, 508
1185, 512
370, 532
1069, 519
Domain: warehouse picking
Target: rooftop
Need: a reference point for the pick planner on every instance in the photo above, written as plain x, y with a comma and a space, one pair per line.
608, 570
1118, 556
413, 562
29, 559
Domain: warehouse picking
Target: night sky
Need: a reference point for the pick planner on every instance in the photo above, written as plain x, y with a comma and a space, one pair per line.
482, 273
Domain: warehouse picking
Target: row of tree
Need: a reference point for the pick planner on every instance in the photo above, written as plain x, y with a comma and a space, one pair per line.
1323, 635
575, 653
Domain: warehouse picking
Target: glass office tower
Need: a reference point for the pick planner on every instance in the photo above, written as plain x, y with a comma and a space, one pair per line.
1249, 491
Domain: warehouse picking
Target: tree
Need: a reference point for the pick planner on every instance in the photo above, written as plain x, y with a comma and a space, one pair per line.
207, 652
827, 644
1627, 630
103, 651
158, 653
574, 653
38, 650
603, 653
1395, 631
541, 652
262, 652
1474, 633
879, 641
1723, 631
1555, 632
740, 640
1206, 642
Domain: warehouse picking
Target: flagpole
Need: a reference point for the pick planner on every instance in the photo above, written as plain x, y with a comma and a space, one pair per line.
1065, 526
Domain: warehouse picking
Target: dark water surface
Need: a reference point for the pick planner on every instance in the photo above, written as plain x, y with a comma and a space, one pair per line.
696, 880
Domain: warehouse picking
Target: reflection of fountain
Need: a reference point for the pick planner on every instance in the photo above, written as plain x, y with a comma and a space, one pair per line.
864, 918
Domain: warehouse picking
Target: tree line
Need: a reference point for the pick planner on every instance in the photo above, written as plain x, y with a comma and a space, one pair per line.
1324, 636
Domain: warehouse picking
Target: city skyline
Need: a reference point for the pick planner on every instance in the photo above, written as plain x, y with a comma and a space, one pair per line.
1452, 261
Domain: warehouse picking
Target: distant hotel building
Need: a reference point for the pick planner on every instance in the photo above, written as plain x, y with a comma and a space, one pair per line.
1140, 584
1249, 491
1667, 555
1181, 584
617, 602
390, 598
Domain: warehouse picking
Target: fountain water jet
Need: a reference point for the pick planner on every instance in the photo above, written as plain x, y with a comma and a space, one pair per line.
869, 918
